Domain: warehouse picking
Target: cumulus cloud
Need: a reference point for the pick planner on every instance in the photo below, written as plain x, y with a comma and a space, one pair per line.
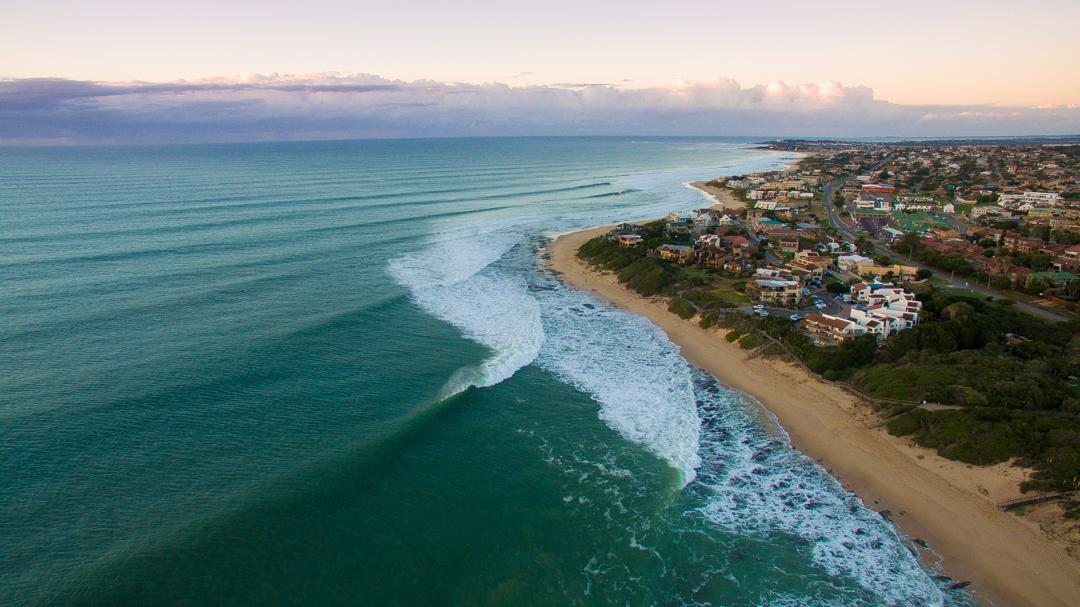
323, 106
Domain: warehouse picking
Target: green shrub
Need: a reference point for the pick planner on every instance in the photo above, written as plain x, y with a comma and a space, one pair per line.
1012, 374
682, 308
751, 341
709, 320
835, 286
904, 425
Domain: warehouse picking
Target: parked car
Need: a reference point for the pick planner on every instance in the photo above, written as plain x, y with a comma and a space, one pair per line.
795, 317
759, 307
761, 312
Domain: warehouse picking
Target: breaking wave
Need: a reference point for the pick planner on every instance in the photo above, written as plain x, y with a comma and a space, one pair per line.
454, 280
483, 279
630, 368
752, 482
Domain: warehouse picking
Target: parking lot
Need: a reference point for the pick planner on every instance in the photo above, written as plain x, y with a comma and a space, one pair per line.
829, 304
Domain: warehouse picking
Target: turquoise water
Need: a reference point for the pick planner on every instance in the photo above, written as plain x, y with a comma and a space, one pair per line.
335, 373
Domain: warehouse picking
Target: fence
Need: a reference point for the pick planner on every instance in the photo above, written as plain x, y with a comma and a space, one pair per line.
747, 326
1039, 499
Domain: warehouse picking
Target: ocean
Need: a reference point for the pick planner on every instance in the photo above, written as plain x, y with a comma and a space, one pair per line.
336, 373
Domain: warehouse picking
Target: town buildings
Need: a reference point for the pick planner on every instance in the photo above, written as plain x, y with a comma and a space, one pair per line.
831, 330
775, 292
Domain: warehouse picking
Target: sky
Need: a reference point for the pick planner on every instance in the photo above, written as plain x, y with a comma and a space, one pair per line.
114, 71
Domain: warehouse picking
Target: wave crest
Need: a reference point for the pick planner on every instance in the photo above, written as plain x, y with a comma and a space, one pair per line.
454, 281
629, 366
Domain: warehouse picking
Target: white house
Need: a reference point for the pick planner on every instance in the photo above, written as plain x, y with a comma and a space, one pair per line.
888, 311
849, 263
704, 218
892, 233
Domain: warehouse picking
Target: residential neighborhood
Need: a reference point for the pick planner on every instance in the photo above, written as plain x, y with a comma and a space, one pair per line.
1001, 217
953, 322
840, 241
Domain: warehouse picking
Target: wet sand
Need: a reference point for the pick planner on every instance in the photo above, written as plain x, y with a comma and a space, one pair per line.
950, 505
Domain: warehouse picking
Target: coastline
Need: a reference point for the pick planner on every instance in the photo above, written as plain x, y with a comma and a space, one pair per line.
948, 504
722, 198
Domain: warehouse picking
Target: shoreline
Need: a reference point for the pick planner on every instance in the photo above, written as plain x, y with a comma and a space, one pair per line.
948, 504
721, 198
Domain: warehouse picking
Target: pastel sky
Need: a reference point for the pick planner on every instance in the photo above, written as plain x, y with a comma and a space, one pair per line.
122, 70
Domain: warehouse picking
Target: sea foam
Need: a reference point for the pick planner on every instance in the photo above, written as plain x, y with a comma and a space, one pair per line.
483, 279
630, 368
755, 483
454, 280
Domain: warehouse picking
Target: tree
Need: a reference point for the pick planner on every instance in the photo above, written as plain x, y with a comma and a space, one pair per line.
1001, 282
837, 287
864, 244
909, 243
923, 274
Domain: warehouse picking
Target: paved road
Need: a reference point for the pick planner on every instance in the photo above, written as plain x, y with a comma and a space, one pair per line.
847, 233
830, 211
777, 312
960, 283
832, 306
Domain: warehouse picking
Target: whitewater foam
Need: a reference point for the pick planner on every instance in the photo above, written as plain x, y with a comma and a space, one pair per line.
645, 391
752, 482
484, 279
492, 310
453, 256
630, 368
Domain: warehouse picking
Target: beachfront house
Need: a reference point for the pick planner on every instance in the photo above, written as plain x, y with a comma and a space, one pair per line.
776, 292
829, 329
678, 227
626, 234
675, 252
726, 221
705, 217
886, 309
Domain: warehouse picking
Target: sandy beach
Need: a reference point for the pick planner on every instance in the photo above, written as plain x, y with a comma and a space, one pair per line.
949, 505
721, 198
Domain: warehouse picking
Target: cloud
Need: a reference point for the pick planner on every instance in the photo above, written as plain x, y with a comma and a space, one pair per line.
331, 105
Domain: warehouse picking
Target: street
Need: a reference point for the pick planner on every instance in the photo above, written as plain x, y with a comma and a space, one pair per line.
851, 236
